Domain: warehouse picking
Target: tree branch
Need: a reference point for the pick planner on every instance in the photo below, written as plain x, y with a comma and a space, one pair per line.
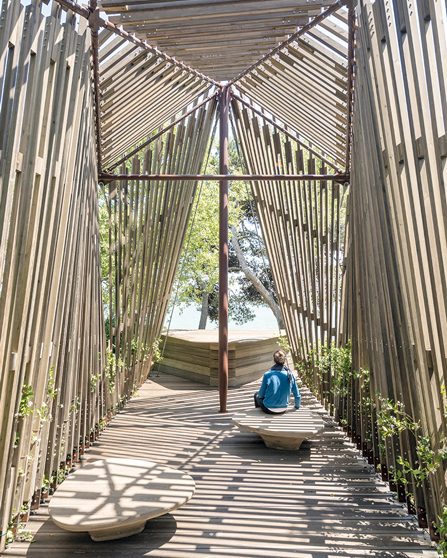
265, 295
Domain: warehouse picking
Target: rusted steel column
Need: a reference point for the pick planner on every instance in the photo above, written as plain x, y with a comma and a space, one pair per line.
224, 105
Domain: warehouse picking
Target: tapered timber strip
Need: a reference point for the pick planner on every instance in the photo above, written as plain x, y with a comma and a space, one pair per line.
282, 129
350, 87
139, 92
255, 155
94, 27
161, 132
330, 141
131, 119
312, 217
285, 73
314, 70
396, 276
315, 21
221, 39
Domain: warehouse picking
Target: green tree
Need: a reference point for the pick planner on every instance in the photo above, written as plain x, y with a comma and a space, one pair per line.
199, 262
107, 270
251, 282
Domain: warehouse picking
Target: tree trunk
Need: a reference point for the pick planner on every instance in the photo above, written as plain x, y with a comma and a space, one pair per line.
265, 295
204, 311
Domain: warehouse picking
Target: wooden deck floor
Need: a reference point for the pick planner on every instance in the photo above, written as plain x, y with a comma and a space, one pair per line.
322, 501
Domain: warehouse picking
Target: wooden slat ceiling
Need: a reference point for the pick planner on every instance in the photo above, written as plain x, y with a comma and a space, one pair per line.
305, 86
139, 92
221, 38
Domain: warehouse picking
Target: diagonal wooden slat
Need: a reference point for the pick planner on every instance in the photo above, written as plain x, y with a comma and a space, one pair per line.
300, 221
312, 70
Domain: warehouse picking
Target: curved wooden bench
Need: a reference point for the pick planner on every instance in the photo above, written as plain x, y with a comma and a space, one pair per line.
286, 431
113, 498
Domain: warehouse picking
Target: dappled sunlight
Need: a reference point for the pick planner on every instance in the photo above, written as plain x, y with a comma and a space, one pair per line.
250, 501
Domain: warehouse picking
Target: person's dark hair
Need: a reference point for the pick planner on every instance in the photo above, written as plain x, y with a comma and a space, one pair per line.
279, 357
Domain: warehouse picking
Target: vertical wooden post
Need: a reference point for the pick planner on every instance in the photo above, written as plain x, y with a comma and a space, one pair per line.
223, 249
350, 86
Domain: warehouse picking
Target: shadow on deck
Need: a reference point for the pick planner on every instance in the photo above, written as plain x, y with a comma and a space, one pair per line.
251, 502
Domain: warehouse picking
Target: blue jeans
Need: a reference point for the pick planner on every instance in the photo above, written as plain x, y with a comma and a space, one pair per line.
259, 403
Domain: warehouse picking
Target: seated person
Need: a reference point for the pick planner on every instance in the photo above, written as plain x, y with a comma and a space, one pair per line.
277, 385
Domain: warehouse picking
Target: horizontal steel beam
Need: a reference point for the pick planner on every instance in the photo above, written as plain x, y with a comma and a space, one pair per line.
340, 177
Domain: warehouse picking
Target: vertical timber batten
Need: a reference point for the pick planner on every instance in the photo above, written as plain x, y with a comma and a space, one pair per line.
351, 70
224, 104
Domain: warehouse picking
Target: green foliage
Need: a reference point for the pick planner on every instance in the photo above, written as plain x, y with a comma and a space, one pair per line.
392, 420
428, 460
44, 412
199, 263
309, 372
26, 406
329, 361
23, 535
51, 390
142, 351
283, 343
197, 280
45, 484
441, 527
336, 362
156, 351
61, 474
134, 345
112, 366
444, 400
104, 249
94, 379
9, 537
75, 405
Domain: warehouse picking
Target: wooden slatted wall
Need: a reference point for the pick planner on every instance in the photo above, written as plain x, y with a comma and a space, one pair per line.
396, 286
51, 325
147, 226
303, 227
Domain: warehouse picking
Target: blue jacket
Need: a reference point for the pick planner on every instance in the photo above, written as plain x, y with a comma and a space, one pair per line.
277, 385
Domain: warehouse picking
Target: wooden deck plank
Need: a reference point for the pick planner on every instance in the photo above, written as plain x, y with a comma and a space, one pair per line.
319, 502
